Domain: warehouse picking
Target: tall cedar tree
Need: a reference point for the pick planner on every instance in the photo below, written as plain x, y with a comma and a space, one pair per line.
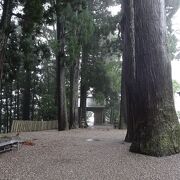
128, 70
33, 11
60, 77
128, 103
157, 130
5, 29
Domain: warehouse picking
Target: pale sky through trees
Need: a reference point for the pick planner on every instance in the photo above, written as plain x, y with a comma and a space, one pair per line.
176, 64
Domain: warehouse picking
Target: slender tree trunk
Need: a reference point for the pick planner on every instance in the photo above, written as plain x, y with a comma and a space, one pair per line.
4, 25
7, 108
111, 116
123, 105
33, 101
74, 82
83, 93
83, 88
61, 95
18, 101
157, 128
10, 106
27, 95
48, 87
0, 106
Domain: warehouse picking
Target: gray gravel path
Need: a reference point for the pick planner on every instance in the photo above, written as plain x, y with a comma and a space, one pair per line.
73, 155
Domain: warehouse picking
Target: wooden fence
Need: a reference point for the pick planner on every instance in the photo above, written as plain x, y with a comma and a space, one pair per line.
26, 126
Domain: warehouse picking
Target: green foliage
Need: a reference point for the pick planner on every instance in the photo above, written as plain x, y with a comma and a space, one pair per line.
33, 14
114, 71
47, 109
172, 43
79, 27
86, 26
178, 114
32, 47
176, 86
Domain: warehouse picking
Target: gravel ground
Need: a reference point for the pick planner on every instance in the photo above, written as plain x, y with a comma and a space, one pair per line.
87, 154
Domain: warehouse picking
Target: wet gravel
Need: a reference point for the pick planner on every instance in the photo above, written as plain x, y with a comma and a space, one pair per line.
87, 154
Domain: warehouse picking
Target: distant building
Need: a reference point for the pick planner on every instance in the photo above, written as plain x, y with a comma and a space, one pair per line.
96, 108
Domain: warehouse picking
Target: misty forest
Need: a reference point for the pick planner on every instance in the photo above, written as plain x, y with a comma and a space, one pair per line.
77, 66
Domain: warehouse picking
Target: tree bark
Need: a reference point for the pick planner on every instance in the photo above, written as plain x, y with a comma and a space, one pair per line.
128, 69
11, 106
27, 95
0, 106
74, 82
4, 30
83, 88
83, 93
18, 101
7, 108
123, 105
157, 130
61, 95
33, 99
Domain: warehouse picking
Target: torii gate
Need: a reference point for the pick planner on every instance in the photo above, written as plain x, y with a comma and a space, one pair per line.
97, 109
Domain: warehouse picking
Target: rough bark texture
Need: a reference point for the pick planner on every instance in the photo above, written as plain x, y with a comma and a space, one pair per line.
61, 95
18, 101
157, 128
11, 107
0, 107
83, 88
83, 92
7, 109
4, 30
123, 105
128, 69
27, 95
74, 79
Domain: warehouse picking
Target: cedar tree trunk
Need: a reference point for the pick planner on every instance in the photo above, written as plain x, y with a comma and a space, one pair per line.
27, 95
74, 79
157, 128
83, 87
4, 30
129, 68
61, 95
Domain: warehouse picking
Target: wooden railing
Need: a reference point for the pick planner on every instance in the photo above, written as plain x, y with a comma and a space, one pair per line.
26, 126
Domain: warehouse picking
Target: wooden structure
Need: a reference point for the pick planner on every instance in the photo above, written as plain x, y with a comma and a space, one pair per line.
25, 126
97, 109
9, 144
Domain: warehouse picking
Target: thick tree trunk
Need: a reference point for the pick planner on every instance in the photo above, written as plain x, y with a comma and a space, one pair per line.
4, 30
157, 129
74, 81
61, 95
129, 68
26, 96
